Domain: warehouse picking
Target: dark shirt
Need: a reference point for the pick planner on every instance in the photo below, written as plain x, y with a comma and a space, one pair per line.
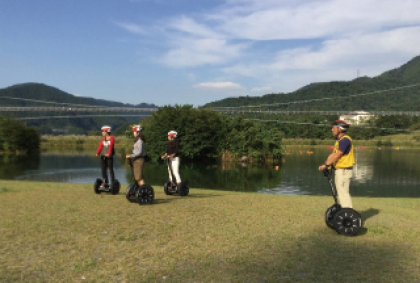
344, 146
174, 149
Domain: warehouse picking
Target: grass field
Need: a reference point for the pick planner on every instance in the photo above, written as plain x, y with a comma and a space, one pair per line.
60, 232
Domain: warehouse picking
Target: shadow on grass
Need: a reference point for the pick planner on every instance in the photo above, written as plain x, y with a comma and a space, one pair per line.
365, 216
369, 213
172, 198
317, 258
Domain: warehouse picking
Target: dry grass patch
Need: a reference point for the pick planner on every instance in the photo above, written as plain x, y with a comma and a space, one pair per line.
55, 232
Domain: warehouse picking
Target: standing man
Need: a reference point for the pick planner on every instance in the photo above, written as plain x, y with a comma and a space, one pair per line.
106, 151
342, 160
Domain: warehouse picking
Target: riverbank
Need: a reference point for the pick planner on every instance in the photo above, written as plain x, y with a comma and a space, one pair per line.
61, 232
411, 140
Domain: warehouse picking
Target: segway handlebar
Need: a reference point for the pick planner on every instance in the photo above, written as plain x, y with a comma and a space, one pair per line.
328, 171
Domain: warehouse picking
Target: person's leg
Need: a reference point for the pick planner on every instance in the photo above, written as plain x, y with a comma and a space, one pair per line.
175, 169
138, 171
169, 171
103, 170
342, 184
140, 168
110, 164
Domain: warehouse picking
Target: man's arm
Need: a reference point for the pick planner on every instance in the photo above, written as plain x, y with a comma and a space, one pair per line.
331, 159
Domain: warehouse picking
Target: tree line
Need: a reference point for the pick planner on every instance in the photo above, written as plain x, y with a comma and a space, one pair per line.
16, 137
319, 126
204, 134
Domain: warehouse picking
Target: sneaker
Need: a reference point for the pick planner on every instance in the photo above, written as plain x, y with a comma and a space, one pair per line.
103, 185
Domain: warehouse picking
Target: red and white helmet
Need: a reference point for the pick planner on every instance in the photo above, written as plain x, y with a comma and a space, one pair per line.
172, 134
106, 129
342, 125
137, 128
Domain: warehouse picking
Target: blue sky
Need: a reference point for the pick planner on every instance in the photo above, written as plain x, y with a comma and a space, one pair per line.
170, 52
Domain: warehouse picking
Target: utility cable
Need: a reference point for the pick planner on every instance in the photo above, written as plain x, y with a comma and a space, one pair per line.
316, 99
329, 125
80, 116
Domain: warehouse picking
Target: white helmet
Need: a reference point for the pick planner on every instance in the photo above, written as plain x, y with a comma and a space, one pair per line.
106, 129
342, 125
137, 128
172, 134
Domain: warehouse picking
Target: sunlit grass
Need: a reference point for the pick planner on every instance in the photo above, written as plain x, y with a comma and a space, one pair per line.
55, 232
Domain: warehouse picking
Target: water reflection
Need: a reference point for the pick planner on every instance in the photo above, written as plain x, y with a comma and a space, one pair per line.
382, 173
12, 165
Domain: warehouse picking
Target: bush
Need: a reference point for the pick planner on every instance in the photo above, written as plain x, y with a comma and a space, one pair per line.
204, 133
388, 143
17, 137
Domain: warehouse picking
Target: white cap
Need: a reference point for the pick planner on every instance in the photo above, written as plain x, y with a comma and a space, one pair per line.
172, 134
106, 129
137, 128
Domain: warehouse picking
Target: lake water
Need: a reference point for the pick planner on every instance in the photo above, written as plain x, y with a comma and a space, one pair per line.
378, 173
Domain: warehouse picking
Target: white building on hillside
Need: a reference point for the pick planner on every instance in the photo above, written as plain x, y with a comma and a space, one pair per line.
357, 117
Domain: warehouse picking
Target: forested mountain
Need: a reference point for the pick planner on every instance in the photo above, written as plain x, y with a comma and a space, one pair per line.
35, 94
43, 92
397, 89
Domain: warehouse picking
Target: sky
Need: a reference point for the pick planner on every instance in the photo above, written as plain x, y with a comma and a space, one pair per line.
169, 52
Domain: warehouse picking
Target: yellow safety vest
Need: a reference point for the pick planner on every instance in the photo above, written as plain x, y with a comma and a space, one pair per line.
346, 160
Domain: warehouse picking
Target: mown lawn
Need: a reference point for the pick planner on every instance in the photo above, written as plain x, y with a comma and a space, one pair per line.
56, 232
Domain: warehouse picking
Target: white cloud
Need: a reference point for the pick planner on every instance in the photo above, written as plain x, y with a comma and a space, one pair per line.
192, 28
189, 52
219, 86
133, 28
337, 59
277, 20
261, 89
212, 39
283, 45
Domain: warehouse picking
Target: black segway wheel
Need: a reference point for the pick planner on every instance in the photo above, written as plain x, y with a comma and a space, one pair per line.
115, 187
130, 192
184, 189
166, 188
347, 221
96, 186
145, 195
330, 213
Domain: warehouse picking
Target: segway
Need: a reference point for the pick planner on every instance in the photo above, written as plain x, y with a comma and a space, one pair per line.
141, 194
115, 189
345, 221
172, 188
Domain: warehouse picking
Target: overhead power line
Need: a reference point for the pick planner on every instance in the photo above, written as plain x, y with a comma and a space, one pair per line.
316, 99
48, 102
79, 116
329, 125
76, 109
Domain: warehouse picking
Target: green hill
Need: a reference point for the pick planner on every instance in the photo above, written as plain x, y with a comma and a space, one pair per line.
402, 93
40, 95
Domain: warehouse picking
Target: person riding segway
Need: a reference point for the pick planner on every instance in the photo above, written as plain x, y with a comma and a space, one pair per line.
174, 185
341, 216
138, 191
107, 151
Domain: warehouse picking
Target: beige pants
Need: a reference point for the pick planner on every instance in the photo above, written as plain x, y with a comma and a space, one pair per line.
138, 168
342, 183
